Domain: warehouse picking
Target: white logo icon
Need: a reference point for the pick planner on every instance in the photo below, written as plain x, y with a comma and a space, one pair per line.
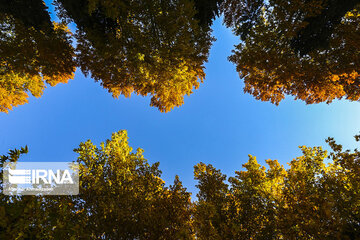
19, 176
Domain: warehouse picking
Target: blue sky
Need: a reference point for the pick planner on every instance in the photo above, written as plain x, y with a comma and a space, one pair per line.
218, 123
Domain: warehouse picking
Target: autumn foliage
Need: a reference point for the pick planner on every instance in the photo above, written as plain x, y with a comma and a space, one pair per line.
149, 47
122, 196
272, 65
305, 48
33, 52
309, 49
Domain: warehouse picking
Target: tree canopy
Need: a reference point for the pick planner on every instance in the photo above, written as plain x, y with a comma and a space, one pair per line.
122, 196
147, 47
305, 48
280, 55
33, 51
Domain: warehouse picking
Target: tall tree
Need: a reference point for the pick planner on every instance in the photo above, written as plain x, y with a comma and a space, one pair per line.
308, 200
146, 47
272, 66
254, 200
33, 51
121, 197
210, 210
303, 201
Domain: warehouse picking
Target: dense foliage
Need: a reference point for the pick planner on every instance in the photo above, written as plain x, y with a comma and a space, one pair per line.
280, 53
147, 47
123, 197
33, 51
305, 48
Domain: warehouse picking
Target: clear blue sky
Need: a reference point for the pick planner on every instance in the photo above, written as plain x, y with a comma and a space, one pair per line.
218, 123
